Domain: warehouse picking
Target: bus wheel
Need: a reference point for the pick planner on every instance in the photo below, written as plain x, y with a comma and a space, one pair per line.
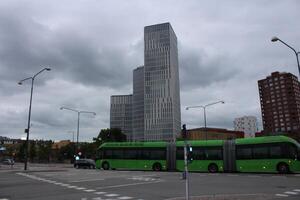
156, 167
283, 168
213, 168
105, 165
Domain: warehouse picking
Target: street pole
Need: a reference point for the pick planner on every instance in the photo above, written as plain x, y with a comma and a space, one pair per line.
28, 127
204, 113
78, 121
275, 39
77, 143
186, 171
27, 131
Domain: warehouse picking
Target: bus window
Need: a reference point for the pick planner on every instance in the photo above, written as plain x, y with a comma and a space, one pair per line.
158, 154
289, 150
275, 151
243, 153
117, 154
130, 154
179, 153
260, 152
198, 154
107, 154
214, 154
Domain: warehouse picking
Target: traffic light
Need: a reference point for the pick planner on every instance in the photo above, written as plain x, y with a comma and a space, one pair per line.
189, 151
184, 132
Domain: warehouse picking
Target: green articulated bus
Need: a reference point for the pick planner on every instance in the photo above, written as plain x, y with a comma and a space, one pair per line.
262, 154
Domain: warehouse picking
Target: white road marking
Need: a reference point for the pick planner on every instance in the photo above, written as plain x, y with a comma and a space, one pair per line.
80, 188
86, 180
288, 192
100, 193
112, 195
89, 190
282, 195
125, 185
98, 198
125, 198
296, 190
71, 186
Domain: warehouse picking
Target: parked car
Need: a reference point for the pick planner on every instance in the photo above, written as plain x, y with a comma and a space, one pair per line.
8, 161
85, 163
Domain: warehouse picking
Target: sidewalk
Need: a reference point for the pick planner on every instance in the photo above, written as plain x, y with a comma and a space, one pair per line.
31, 167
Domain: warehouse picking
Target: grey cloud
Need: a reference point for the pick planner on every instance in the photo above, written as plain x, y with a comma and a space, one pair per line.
197, 69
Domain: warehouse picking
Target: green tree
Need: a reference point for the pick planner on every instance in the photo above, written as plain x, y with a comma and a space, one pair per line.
109, 135
32, 151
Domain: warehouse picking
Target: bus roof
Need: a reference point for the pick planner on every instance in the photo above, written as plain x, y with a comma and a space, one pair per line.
201, 143
133, 144
267, 139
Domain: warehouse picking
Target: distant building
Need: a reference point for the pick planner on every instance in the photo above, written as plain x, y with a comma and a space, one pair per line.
246, 124
121, 114
280, 103
213, 134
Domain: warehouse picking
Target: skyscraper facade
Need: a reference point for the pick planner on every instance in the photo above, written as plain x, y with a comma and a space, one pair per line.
155, 101
280, 103
162, 95
138, 104
121, 114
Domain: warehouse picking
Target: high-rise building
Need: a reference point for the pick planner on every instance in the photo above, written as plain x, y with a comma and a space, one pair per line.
246, 124
138, 104
162, 95
155, 101
121, 114
280, 103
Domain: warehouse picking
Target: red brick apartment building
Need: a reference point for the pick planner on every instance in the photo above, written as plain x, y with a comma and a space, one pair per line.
280, 103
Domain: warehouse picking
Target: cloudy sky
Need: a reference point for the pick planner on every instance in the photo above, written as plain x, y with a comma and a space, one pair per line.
92, 47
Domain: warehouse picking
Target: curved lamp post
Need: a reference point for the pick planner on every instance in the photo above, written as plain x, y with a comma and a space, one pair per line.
204, 112
78, 119
275, 39
29, 115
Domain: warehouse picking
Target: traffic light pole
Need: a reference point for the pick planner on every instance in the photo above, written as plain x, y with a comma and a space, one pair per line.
186, 172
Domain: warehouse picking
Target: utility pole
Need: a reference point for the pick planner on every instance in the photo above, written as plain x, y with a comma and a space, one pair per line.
186, 171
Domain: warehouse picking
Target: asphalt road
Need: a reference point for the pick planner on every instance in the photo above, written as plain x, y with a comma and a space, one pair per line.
55, 182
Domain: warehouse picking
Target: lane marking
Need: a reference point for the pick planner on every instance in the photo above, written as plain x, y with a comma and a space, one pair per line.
100, 192
125, 185
125, 198
86, 180
80, 188
90, 190
288, 192
296, 190
282, 195
112, 195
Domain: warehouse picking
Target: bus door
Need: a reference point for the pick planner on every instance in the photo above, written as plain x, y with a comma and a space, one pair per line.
229, 156
171, 156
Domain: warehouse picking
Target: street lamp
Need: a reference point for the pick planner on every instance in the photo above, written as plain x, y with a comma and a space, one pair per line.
29, 115
275, 39
78, 119
204, 112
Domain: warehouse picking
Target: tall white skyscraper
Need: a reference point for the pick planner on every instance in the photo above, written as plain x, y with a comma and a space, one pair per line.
247, 124
162, 95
